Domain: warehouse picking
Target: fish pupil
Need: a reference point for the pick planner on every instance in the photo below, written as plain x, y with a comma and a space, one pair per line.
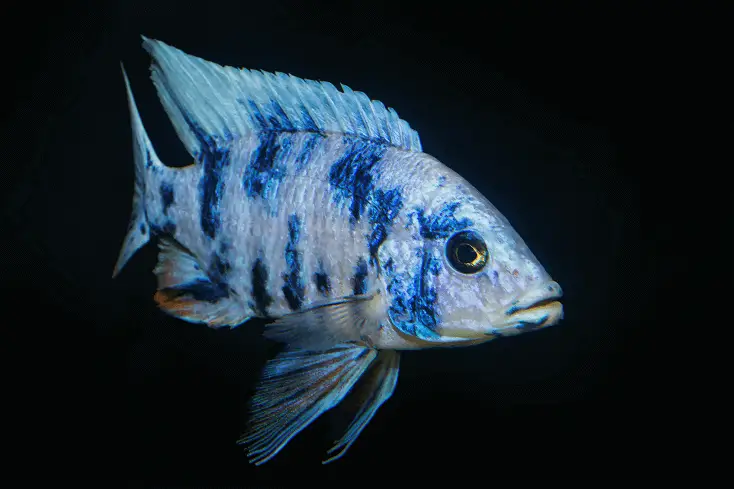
466, 253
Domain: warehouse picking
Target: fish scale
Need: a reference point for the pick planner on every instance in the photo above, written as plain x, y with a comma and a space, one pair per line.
257, 231
318, 209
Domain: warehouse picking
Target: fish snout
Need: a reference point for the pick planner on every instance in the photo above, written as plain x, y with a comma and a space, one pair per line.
538, 308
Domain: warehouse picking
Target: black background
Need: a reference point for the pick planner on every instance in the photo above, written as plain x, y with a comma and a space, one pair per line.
577, 122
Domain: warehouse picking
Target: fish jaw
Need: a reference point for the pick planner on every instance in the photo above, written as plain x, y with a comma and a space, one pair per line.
537, 309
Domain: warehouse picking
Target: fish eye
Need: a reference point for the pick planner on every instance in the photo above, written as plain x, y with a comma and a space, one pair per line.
467, 252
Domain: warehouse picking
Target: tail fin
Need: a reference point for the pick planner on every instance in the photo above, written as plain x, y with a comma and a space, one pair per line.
138, 233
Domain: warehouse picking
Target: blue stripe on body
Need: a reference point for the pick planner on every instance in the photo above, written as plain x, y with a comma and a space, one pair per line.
352, 175
260, 289
386, 207
167, 197
215, 287
352, 178
359, 281
211, 187
214, 156
413, 309
266, 167
322, 281
293, 288
443, 224
310, 142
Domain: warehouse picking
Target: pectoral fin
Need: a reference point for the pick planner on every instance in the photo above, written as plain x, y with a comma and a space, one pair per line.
374, 389
350, 319
297, 387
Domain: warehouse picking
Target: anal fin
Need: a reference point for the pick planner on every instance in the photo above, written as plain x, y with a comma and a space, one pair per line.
187, 291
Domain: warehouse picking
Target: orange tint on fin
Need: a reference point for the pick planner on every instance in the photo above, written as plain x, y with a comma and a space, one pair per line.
186, 291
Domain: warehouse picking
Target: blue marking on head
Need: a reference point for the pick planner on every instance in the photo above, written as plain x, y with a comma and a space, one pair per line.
425, 297
263, 173
166, 191
513, 307
413, 306
143, 229
495, 278
359, 282
531, 326
352, 175
260, 289
443, 224
293, 288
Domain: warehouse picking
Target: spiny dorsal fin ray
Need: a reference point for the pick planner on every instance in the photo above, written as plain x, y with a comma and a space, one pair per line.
211, 103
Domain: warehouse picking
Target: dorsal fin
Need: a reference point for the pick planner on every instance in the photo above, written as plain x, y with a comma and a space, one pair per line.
211, 103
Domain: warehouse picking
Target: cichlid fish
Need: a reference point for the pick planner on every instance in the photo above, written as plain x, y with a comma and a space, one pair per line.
317, 208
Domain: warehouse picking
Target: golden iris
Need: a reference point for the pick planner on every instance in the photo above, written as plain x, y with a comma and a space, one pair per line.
467, 252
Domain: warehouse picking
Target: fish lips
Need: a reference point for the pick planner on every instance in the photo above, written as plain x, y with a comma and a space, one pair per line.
537, 309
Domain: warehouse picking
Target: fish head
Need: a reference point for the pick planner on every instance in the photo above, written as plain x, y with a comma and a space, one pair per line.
469, 276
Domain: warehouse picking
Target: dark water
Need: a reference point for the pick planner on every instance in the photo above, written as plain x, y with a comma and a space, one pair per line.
562, 118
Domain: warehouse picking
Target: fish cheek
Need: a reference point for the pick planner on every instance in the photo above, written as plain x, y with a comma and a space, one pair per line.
463, 299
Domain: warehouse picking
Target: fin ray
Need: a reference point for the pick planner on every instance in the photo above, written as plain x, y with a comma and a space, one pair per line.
209, 103
187, 291
322, 326
138, 233
298, 386
374, 389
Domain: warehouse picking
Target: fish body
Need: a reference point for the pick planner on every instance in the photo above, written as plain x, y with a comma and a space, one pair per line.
317, 208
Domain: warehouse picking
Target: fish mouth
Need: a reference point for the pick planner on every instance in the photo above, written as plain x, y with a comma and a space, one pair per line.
539, 308
517, 311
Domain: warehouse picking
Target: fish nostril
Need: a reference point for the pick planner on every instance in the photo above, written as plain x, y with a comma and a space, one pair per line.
555, 287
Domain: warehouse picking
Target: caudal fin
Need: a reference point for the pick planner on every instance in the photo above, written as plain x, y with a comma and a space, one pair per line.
138, 233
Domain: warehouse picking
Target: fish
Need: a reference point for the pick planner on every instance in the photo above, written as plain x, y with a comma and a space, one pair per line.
317, 210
